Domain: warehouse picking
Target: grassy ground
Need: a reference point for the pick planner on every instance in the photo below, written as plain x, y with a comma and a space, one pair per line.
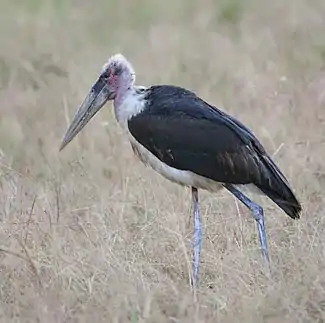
90, 234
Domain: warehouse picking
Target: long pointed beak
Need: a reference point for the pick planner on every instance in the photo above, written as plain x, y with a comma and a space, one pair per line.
94, 101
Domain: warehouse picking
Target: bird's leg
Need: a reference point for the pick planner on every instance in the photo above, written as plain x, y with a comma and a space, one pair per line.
258, 215
197, 237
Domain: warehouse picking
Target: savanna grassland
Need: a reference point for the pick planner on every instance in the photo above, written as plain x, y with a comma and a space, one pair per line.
90, 234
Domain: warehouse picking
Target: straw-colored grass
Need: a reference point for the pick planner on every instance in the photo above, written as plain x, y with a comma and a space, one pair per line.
90, 234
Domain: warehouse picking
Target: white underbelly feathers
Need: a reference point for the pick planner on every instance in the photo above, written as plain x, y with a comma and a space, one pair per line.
182, 177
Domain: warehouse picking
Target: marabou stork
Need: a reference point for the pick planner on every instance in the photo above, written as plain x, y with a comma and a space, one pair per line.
189, 142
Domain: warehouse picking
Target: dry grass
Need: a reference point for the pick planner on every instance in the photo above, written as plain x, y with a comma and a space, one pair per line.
90, 234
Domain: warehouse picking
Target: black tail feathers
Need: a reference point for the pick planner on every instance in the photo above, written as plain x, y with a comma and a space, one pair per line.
285, 199
277, 188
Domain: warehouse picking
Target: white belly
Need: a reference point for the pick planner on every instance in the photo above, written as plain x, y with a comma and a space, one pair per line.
182, 177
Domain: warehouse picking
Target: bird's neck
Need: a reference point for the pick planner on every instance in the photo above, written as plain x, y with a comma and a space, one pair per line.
128, 103
121, 94
125, 85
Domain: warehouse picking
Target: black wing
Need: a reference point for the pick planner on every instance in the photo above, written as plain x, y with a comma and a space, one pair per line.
186, 133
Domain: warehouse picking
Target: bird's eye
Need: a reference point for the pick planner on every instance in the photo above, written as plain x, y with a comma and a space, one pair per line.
106, 74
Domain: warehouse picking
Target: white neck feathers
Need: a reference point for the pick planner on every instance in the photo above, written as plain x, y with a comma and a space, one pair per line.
131, 103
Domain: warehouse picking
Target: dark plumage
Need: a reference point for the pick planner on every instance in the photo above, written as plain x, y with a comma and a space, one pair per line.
189, 142
187, 133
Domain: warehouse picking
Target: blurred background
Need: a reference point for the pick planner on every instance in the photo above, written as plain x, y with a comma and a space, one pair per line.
90, 233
